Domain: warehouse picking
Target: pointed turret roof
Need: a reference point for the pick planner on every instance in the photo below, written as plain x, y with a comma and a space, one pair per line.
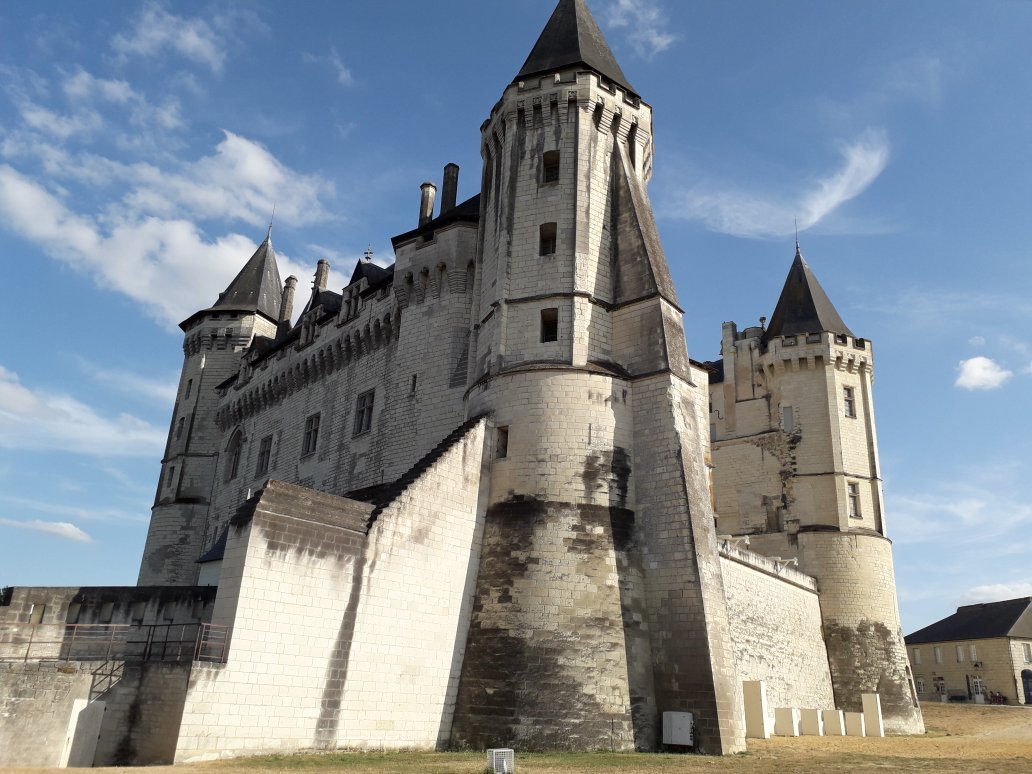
803, 307
572, 37
256, 288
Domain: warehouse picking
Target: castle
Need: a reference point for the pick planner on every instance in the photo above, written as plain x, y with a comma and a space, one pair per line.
483, 497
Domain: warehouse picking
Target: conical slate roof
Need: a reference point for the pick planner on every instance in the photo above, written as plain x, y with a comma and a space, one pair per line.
572, 37
804, 307
258, 284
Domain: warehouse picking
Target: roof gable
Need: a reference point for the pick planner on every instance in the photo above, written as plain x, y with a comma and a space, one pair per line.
1010, 618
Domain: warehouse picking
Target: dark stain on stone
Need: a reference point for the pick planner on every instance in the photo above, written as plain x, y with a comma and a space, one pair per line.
610, 468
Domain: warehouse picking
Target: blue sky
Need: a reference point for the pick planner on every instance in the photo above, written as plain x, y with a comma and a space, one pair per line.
144, 145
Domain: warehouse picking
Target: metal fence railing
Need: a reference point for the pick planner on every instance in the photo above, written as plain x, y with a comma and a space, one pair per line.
114, 642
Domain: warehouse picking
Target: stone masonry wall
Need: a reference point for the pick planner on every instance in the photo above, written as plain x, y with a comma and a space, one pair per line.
776, 631
35, 708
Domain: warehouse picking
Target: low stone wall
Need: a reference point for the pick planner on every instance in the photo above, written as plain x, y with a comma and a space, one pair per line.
776, 630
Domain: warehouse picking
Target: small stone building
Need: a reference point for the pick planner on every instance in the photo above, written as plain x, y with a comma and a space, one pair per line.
483, 497
980, 650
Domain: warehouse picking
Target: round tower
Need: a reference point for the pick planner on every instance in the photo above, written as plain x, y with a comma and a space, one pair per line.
578, 356
214, 338
814, 380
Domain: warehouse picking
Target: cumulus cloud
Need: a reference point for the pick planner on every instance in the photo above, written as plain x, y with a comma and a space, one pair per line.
61, 529
38, 420
645, 25
155, 31
997, 592
745, 213
981, 373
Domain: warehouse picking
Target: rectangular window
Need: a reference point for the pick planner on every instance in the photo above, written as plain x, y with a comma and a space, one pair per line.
550, 167
853, 490
311, 437
920, 685
1026, 649
974, 653
364, 412
36, 613
189, 388
546, 243
849, 401
179, 427
171, 477
139, 608
917, 657
960, 654
549, 325
940, 685
502, 443
107, 611
264, 456
938, 654
787, 419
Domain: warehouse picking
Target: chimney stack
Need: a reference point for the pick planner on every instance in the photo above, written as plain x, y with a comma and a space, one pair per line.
451, 187
426, 203
286, 308
322, 273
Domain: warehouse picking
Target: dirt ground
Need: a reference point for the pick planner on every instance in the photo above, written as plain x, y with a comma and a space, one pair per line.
960, 738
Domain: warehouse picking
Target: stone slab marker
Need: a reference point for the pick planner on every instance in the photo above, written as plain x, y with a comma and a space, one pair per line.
786, 721
810, 722
873, 715
834, 723
757, 724
83, 730
855, 724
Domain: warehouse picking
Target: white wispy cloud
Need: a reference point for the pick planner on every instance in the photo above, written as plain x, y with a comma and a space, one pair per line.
977, 341
645, 24
741, 212
332, 60
79, 513
981, 373
61, 529
159, 391
37, 420
155, 31
997, 592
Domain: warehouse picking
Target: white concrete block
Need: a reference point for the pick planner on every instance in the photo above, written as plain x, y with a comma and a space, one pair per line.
83, 731
855, 724
786, 721
810, 722
873, 715
757, 724
834, 723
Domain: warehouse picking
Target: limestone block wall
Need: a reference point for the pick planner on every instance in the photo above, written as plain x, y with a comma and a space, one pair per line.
35, 708
775, 621
143, 709
861, 623
340, 639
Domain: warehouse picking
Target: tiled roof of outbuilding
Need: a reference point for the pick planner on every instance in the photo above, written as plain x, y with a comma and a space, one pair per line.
1010, 618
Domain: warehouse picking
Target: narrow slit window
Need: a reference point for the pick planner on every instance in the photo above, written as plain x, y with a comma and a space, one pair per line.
546, 241
179, 427
853, 491
549, 325
550, 167
236, 448
310, 439
189, 388
787, 419
364, 412
502, 443
849, 401
264, 456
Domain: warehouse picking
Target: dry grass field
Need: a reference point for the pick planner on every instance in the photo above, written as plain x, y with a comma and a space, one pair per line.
960, 738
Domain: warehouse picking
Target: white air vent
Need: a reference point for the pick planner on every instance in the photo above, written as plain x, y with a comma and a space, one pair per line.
501, 761
678, 728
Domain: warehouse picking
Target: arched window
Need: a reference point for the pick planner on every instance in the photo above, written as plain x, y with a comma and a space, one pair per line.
234, 450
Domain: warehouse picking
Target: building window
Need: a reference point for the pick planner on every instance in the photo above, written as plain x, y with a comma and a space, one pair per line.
364, 412
853, 491
236, 447
171, 480
412, 386
311, 436
550, 169
549, 325
917, 657
849, 401
920, 685
36, 613
189, 388
940, 685
787, 419
546, 243
502, 442
974, 653
938, 654
978, 686
1026, 649
179, 427
960, 654
264, 456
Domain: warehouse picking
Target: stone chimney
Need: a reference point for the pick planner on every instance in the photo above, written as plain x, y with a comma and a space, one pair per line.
450, 189
322, 273
426, 203
286, 309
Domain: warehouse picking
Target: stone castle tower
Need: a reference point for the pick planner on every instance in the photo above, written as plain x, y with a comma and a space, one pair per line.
795, 456
483, 497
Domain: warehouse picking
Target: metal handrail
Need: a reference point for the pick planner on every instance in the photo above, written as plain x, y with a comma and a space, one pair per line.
119, 642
